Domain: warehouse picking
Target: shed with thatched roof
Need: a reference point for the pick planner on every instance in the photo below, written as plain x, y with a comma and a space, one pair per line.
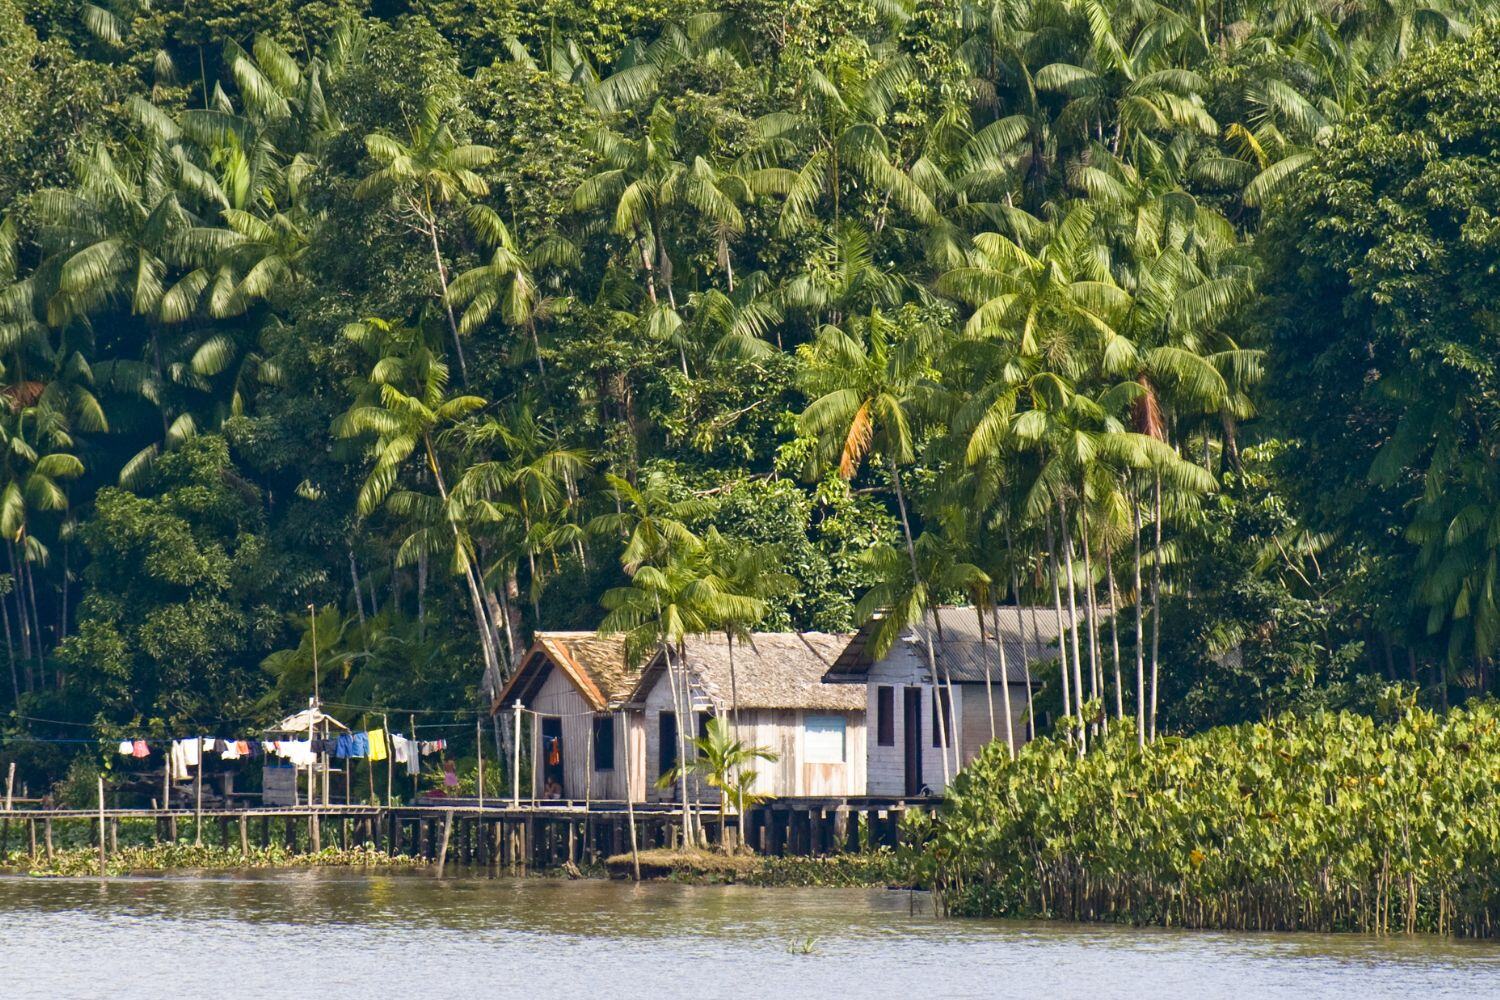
583, 742
921, 733
771, 688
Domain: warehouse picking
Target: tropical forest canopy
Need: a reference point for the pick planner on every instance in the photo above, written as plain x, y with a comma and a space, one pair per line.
447, 319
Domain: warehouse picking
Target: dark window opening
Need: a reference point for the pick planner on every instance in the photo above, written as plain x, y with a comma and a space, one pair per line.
945, 731
667, 751
885, 716
604, 742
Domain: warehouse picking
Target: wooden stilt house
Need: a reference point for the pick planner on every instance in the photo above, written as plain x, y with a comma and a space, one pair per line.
816, 730
574, 686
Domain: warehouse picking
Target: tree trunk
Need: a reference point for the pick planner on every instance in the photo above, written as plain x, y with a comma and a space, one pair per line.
1062, 644
1091, 610
1155, 606
1015, 586
359, 604
916, 581
1010, 729
1140, 627
1114, 635
989, 682
442, 273
1067, 540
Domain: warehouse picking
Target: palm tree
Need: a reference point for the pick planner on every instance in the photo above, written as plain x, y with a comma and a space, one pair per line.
401, 410
722, 759
418, 176
864, 393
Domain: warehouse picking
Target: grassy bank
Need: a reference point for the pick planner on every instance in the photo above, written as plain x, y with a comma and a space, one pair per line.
875, 869
171, 857
1328, 822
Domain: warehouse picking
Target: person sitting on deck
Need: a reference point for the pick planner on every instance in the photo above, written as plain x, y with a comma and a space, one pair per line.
552, 790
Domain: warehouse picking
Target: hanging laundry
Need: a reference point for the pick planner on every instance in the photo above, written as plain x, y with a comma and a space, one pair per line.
376, 739
554, 751
178, 759
242, 747
359, 744
219, 746
399, 745
299, 752
139, 749
231, 750
343, 746
127, 747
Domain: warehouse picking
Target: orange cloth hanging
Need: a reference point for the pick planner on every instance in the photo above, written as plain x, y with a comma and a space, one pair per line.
554, 756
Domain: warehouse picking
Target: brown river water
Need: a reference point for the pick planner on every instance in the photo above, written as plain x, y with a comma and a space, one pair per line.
340, 934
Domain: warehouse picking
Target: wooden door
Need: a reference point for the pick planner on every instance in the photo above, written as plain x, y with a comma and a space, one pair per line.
912, 734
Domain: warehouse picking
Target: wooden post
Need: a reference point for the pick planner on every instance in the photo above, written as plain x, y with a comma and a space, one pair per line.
479, 749
314, 833
416, 775
102, 851
10, 784
389, 757
31, 829
166, 777
198, 796
244, 835
515, 770
443, 850
47, 833
635, 854
114, 835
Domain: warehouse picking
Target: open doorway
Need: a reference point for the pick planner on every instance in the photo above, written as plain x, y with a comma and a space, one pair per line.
912, 734
553, 786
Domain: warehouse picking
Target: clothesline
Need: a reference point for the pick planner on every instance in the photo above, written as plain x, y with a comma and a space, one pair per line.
374, 745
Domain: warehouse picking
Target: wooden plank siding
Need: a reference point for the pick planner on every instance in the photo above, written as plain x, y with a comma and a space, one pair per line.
560, 698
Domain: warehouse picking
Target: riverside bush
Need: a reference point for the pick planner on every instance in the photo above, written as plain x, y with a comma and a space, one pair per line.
1331, 821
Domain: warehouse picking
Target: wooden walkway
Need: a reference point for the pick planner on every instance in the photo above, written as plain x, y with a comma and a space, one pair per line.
528, 834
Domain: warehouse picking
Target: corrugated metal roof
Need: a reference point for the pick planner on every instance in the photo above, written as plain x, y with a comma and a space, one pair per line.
1029, 636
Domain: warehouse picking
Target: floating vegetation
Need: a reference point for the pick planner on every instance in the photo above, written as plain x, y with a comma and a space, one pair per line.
1333, 822
170, 857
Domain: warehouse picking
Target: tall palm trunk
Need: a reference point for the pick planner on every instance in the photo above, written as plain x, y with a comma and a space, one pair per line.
1010, 733
23, 621
989, 683
487, 642
1140, 627
1067, 540
682, 703
916, 581
430, 218
1114, 635
1015, 588
1062, 645
1155, 604
734, 729
10, 651
1091, 610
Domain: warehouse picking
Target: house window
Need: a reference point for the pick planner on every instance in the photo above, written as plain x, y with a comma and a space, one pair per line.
604, 743
940, 698
666, 751
824, 739
885, 716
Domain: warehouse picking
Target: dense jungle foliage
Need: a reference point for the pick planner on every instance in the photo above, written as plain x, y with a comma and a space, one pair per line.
455, 319
1330, 821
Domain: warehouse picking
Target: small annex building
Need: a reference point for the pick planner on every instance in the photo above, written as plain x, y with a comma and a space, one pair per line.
576, 684
816, 730
904, 752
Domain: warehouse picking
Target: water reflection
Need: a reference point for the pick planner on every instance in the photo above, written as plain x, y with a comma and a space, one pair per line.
402, 933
